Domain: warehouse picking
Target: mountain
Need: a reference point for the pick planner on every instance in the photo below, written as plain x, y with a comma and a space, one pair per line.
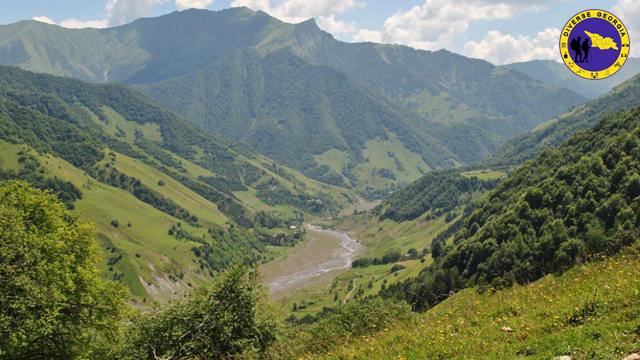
172, 205
146, 50
486, 104
555, 73
311, 117
343, 112
555, 131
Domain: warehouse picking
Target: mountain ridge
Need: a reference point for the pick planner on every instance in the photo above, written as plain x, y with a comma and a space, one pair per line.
455, 105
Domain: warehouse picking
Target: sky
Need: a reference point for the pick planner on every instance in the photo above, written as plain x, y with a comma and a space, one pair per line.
500, 31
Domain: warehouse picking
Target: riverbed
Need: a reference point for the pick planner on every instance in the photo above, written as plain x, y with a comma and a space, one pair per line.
321, 256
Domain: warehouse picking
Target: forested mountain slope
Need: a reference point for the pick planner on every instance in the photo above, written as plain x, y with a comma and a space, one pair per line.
555, 131
310, 117
569, 205
172, 205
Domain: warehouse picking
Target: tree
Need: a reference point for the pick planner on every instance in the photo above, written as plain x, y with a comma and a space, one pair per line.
53, 303
216, 323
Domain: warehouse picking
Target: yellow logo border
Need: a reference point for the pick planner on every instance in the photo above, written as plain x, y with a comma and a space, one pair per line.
593, 14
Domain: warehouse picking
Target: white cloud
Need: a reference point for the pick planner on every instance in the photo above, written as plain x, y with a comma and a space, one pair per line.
364, 35
500, 48
333, 26
433, 24
44, 19
196, 4
124, 11
295, 11
629, 13
119, 12
81, 24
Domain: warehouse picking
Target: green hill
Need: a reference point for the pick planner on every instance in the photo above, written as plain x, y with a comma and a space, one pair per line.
555, 131
171, 204
589, 312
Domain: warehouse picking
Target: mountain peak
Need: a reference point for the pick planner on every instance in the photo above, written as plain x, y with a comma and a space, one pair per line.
310, 23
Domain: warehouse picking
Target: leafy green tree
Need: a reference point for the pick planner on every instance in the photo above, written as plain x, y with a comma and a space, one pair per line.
217, 323
53, 303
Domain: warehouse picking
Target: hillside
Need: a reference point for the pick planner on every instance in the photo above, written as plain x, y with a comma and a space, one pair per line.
438, 109
589, 312
172, 205
555, 73
569, 205
310, 117
555, 131
543, 267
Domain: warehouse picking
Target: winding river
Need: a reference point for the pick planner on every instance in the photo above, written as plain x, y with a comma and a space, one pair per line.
321, 256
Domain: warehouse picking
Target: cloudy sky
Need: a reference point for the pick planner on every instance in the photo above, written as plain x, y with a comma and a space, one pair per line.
500, 31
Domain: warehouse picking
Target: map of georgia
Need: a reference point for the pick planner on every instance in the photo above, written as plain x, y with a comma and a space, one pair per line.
602, 43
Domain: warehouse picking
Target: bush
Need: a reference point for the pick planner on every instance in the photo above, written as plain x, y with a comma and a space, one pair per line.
336, 326
53, 302
216, 323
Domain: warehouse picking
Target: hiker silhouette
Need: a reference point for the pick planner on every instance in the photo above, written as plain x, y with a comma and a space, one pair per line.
575, 47
585, 50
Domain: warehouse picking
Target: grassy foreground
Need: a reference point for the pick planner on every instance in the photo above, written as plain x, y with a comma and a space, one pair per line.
589, 312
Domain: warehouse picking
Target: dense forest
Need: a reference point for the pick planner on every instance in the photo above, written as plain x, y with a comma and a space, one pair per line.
441, 191
568, 205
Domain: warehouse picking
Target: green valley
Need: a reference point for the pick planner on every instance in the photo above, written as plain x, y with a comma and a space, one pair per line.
169, 211
318, 180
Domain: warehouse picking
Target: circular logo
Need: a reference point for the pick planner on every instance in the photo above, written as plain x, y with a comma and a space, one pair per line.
594, 44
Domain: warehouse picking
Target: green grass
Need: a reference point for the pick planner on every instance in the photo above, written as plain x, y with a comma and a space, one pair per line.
9, 155
206, 211
485, 174
589, 312
335, 159
149, 252
116, 123
377, 157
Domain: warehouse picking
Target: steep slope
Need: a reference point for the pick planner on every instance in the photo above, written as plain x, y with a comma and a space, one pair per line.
555, 131
310, 117
146, 50
453, 95
555, 73
171, 204
440, 191
589, 312
569, 205
487, 104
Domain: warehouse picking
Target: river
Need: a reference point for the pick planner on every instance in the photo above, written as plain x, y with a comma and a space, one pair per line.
323, 254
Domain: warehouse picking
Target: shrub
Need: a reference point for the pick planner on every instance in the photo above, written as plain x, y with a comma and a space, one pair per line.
58, 308
218, 323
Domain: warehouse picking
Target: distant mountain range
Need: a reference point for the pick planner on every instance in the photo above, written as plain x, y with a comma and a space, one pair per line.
555, 73
554, 132
368, 116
